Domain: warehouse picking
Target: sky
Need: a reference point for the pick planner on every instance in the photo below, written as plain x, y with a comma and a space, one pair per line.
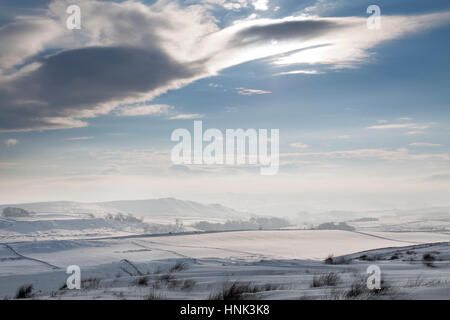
87, 114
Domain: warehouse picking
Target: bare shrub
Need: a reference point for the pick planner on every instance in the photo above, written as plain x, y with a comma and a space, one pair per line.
24, 292
179, 266
329, 259
337, 260
428, 260
366, 257
141, 281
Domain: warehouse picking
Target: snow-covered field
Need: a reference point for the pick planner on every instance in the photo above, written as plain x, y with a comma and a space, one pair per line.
151, 249
278, 264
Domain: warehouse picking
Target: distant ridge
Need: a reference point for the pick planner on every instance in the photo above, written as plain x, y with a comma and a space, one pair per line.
164, 208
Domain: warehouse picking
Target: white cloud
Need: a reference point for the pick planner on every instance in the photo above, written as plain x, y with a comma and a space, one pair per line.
392, 126
250, 92
404, 119
425, 144
11, 142
186, 116
418, 127
231, 109
401, 154
355, 154
299, 72
146, 110
413, 133
34, 33
319, 7
79, 138
299, 145
261, 4
163, 46
349, 42
343, 137
229, 4
156, 110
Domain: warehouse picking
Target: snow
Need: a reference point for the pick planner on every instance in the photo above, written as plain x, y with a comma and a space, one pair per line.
280, 264
286, 259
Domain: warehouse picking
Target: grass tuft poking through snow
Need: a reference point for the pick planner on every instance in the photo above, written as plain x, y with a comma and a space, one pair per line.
359, 290
239, 290
188, 284
90, 283
328, 279
153, 295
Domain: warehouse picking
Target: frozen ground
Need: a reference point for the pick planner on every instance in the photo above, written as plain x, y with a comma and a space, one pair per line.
134, 250
283, 264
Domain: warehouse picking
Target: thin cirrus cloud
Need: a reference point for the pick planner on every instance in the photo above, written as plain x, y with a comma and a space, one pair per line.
425, 144
159, 47
392, 126
400, 126
80, 138
186, 116
414, 133
401, 154
438, 178
299, 145
251, 92
147, 110
156, 109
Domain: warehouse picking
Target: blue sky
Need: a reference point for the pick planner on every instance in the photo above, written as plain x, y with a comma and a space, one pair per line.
372, 122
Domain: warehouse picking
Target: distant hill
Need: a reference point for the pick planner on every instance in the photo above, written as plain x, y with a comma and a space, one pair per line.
154, 208
12, 212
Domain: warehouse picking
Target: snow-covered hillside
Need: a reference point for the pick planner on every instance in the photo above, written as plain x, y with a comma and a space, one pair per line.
275, 264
